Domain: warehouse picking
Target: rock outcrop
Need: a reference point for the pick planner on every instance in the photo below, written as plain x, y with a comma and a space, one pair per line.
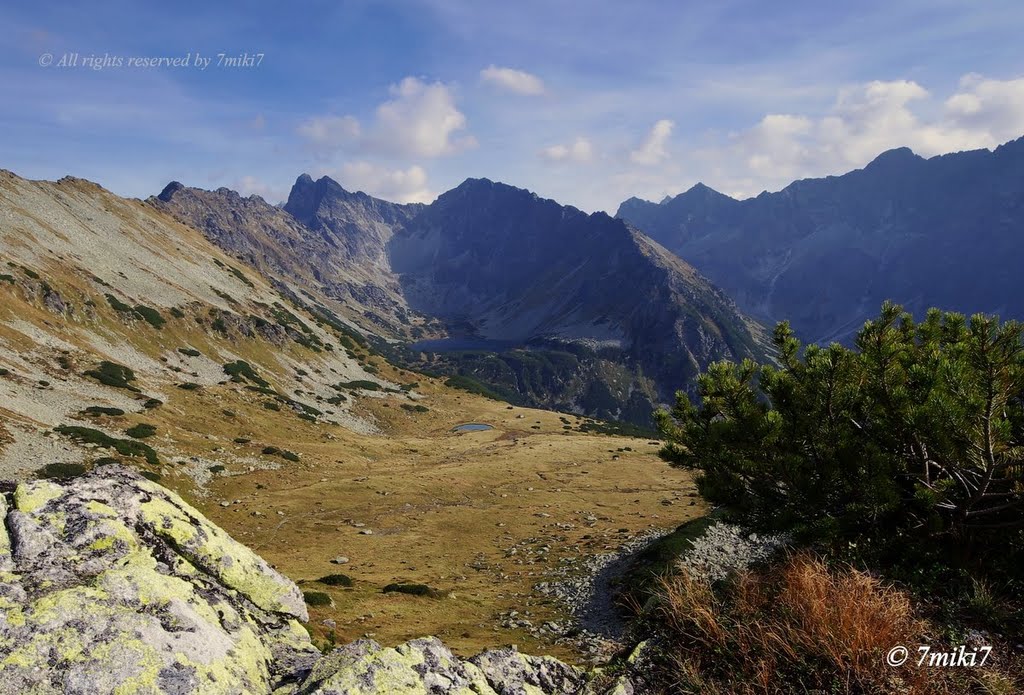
112, 584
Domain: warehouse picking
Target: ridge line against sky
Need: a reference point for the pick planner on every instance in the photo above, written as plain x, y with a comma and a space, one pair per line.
588, 104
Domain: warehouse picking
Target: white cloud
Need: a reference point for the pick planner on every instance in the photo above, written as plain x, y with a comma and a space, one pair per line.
863, 122
652, 149
330, 132
513, 80
397, 185
580, 151
420, 120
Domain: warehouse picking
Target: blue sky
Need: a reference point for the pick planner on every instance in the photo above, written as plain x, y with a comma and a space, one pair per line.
585, 102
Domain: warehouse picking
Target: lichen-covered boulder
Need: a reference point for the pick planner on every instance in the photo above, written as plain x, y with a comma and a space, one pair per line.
111, 583
419, 667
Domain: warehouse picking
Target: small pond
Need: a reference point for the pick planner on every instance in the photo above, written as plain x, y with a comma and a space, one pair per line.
472, 427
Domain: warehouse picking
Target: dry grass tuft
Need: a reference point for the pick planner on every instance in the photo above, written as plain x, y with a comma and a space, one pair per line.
796, 627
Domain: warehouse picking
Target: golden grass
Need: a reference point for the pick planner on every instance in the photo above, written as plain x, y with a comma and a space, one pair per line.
797, 627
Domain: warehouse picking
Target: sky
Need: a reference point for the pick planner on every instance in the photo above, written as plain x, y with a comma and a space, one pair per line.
587, 102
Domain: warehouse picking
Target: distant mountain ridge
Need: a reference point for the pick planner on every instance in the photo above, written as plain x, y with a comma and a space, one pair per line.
824, 253
495, 262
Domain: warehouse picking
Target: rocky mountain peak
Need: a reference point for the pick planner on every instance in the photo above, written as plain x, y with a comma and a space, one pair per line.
169, 190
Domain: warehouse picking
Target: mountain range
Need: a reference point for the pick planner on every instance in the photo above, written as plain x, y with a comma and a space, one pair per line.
825, 253
540, 303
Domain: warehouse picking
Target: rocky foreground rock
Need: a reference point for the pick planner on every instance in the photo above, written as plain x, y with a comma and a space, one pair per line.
112, 584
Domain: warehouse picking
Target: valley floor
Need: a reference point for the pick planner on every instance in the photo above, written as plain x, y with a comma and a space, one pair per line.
482, 517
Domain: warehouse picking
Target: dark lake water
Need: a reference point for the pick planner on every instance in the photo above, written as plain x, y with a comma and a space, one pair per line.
460, 344
472, 427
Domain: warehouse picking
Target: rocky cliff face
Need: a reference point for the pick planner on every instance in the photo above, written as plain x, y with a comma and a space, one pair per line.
825, 253
112, 584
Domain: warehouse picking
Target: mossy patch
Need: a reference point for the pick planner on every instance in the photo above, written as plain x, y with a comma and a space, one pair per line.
61, 470
335, 580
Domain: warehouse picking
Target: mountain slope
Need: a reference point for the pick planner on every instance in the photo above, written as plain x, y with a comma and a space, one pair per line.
514, 267
825, 253
576, 311
342, 269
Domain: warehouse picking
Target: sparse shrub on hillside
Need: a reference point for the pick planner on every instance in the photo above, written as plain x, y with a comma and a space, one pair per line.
335, 580
271, 405
217, 469
150, 475
97, 410
125, 447
150, 316
176, 312
218, 325
113, 374
316, 598
271, 450
415, 408
141, 431
358, 384
242, 440
105, 461
117, 305
241, 369
152, 403
240, 275
289, 456
61, 470
412, 590
31, 273
4, 277
190, 352
189, 386
4, 371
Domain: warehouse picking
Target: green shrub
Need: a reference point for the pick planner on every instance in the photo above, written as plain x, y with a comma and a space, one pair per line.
217, 469
415, 408
289, 456
189, 386
105, 461
117, 305
4, 372
141, 431
150, 475
190, 352
241, 276
114, 375
97, 410
242, 440
358, 384
31, 273
909, 444
61, 470
6, 278
271, 405
150, 316
335, 580
271, 450
125, 447
177, 313
412, 590
152, 403
316, 598
241, 369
